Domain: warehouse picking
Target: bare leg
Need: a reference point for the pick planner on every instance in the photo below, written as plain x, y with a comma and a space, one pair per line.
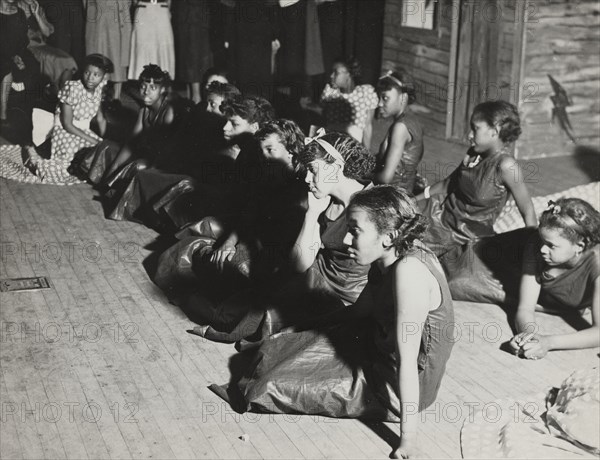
196, 95
6, 82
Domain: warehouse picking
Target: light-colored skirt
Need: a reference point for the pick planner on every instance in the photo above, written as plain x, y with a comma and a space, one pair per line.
152, 40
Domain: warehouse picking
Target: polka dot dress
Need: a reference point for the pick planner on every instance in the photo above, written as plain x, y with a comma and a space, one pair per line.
348, 109
64, 145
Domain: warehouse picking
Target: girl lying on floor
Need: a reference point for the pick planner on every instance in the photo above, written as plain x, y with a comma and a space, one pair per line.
554, 269
561, 271
79, 104
387, 360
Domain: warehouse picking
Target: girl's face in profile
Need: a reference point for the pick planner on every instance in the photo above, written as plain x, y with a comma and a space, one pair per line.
365, 244
322, 177
391, 103
273, 149
151, 92
557, 250
236, 125
92, 77
482, 136
213, 103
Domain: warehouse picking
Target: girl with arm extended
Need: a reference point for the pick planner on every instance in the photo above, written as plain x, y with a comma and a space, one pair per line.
561, 272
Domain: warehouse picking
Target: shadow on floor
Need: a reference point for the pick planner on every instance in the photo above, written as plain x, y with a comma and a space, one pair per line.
588, 161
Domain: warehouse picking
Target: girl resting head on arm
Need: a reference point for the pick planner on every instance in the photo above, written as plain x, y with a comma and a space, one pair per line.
561, 271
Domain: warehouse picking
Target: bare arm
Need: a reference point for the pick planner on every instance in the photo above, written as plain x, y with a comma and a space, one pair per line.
539, 345
66, 118
101, 120
399, 136
412, 305
32, 7
308, 243
368, 131
439, 188
512, 177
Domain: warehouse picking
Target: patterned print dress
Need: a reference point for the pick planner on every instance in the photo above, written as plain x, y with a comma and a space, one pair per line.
348, 112
64, 145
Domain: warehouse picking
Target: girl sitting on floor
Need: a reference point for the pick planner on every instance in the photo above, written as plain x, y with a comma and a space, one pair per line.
348, 106
561, 271
79, 104
326, 278
463, 207
249, 250
387, 360
218, 185
152, 128
193, 146
99, 164
402, 149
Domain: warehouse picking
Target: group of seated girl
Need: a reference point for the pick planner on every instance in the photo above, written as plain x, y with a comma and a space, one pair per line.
299, 240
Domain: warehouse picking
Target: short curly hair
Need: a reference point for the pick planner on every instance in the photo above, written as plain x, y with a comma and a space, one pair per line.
288, 131
154, 73
393, 211
359, 163
253, 109
576, 219
502, 115
100, 61
225, 90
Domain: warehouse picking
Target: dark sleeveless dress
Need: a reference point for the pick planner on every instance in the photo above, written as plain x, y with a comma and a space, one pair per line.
476, 195
350, 370
331, 283
91, 164
490, 271
406, 172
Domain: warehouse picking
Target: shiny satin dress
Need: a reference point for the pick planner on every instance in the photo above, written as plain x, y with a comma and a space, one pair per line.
351, 369
476, 195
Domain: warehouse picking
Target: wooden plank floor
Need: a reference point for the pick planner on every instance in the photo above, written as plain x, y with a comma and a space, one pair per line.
100, 366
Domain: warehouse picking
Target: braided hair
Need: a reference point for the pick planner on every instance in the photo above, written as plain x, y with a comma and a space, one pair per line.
393, 211
576, 219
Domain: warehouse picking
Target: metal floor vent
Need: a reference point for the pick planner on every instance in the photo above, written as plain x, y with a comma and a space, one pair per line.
24, 284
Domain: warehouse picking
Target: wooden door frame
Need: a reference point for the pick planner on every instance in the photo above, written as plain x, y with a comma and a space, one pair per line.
518, 56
